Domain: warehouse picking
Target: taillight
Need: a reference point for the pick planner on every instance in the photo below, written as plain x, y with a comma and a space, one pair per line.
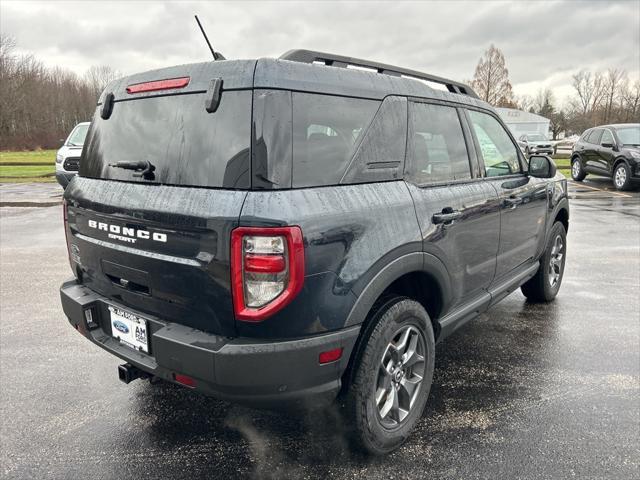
267, 270
156, 85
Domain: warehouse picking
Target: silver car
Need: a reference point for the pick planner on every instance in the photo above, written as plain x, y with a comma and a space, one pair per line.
535, 144
68, 156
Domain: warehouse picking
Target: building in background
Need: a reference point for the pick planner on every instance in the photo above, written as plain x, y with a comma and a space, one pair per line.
521, 122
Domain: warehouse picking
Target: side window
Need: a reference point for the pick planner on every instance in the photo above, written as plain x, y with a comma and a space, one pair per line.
594, 136
437, 150
607, 138
326, 133
499, 153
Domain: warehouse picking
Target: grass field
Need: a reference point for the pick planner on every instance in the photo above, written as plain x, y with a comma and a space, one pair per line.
36, 166
564, 165
26, 170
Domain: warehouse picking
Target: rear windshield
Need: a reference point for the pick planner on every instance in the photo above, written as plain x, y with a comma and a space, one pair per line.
186, 145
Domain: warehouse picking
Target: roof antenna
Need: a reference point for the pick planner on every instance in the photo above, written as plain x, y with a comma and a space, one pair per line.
216, 55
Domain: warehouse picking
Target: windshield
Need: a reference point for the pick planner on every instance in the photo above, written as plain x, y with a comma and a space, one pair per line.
629, 135
536, 137
76, 139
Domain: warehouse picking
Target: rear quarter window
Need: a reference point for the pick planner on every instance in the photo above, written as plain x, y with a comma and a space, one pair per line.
326, 133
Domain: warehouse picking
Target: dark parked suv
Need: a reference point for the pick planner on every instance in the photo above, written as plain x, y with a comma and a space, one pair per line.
609, 150
288, 232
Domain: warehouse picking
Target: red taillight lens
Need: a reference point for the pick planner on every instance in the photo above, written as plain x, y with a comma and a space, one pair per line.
330, 355
267, 270
167, 84
265, 263
184, 380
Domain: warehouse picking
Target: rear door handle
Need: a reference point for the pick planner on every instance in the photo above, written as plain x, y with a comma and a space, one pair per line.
447, 216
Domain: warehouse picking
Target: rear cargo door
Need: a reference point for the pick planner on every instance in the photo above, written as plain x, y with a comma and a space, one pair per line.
162, 183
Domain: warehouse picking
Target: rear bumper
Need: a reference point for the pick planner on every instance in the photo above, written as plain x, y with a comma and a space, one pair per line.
260, 373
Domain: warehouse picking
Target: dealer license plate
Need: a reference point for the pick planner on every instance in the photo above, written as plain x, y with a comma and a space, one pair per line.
130, 329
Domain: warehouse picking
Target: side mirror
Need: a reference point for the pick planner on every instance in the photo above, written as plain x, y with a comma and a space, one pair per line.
541, 166
609, 145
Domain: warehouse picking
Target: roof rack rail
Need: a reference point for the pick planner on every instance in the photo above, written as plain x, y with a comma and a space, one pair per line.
310, 56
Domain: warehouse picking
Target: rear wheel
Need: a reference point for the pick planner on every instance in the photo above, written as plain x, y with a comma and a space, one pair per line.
545, 284
577, 172
622, 177
391, 377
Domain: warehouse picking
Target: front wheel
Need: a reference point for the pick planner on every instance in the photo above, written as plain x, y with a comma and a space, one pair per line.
545, 284
392, 376
577, 172
622, 177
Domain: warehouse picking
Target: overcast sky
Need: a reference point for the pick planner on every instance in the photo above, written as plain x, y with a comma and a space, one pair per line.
544, 42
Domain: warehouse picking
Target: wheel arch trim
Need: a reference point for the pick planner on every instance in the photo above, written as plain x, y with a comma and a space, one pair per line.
563, 204
618, 161
409, 263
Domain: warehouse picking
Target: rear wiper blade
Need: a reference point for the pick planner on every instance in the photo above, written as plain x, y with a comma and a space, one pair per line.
144, 167
129, 165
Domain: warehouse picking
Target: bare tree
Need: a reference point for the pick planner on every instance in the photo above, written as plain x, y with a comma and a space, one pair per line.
99, 76
630, 98
491, 79
543, 102
524, 102
590, 89
614, 79
38, 105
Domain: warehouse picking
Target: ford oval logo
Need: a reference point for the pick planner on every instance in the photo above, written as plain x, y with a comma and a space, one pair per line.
121, 326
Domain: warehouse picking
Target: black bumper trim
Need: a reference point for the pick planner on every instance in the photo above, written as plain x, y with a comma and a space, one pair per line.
262, 373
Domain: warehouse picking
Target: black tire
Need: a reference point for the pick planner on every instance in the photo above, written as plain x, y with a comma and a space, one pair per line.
544, 285
369, 431
577, 171
622, 177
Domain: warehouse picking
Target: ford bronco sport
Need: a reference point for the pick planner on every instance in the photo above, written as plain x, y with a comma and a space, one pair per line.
286, 232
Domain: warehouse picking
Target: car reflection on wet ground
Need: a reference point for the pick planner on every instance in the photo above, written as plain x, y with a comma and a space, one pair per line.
526, 391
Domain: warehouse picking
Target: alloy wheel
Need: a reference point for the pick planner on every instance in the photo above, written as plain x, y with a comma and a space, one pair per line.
621, 176
555, 261
575, 169
402, 369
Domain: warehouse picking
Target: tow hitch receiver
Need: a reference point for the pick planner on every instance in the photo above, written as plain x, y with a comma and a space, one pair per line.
128, 373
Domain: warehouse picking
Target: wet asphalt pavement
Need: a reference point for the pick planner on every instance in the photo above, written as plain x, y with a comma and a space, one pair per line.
524, 391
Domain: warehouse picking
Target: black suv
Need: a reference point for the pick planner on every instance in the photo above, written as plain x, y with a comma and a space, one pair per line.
609, 150
288, 232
